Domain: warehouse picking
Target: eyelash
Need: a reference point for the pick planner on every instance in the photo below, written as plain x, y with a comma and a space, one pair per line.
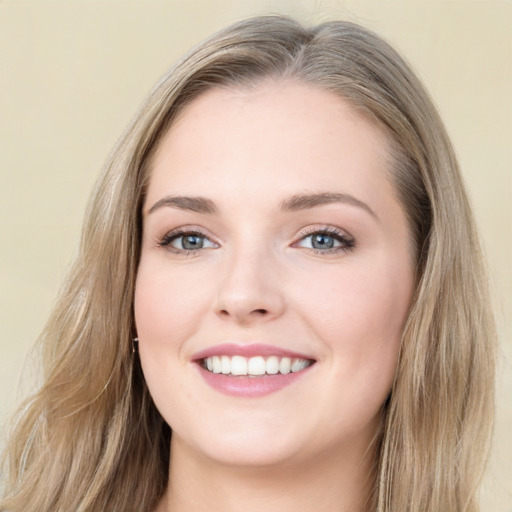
166, 241
347, 242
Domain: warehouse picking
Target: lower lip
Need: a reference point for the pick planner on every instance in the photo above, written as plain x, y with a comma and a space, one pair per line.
250, 387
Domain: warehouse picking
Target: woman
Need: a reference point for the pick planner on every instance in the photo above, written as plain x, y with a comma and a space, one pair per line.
270, 270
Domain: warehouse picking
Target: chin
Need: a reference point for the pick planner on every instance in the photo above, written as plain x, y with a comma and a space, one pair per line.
251, 446
246, 456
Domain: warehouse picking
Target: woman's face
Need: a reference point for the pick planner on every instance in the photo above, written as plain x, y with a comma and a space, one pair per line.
275, 277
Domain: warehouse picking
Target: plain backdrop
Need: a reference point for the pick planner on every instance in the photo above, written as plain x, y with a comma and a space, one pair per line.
73, 73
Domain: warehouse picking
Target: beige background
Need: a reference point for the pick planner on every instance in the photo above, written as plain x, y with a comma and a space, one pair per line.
72, 74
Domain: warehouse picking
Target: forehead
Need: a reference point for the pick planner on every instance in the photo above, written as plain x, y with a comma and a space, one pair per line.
280, 136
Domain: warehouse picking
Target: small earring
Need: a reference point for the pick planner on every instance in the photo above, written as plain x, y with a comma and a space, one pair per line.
135, 345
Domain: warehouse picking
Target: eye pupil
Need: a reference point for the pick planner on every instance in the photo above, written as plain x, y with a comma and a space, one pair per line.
322, 241
192, 242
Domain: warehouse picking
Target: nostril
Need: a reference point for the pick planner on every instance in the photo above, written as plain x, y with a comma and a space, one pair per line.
260, 312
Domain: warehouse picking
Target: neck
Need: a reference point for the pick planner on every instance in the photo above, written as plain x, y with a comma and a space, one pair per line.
326, 484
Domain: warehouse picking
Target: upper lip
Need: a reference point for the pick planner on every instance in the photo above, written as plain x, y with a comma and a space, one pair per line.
252, 350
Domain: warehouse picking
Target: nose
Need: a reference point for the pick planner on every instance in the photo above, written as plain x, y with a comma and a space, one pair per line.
250, 290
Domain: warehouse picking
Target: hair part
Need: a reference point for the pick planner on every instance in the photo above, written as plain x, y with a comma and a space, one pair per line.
90, 432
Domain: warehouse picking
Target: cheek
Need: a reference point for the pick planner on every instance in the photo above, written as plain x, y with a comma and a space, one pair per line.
167, 304
166, 313
369, 301
360, 316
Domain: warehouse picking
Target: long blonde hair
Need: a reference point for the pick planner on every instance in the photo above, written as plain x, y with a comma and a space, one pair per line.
91, 438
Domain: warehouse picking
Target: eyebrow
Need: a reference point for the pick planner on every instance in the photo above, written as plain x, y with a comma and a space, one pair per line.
194, 204
305, 201
294, 203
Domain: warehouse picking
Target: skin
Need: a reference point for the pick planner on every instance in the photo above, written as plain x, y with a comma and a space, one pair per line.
258, 279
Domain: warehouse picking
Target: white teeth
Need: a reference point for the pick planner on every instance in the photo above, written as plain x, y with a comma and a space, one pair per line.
285, 365
238, 365
298, 365
272, 365
225, 364
254, 366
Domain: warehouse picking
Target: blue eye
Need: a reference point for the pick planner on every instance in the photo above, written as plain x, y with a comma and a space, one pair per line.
326, 241
186, 241
322, 241
189, 242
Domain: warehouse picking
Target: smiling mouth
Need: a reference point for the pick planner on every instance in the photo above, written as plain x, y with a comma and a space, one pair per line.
257, 366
